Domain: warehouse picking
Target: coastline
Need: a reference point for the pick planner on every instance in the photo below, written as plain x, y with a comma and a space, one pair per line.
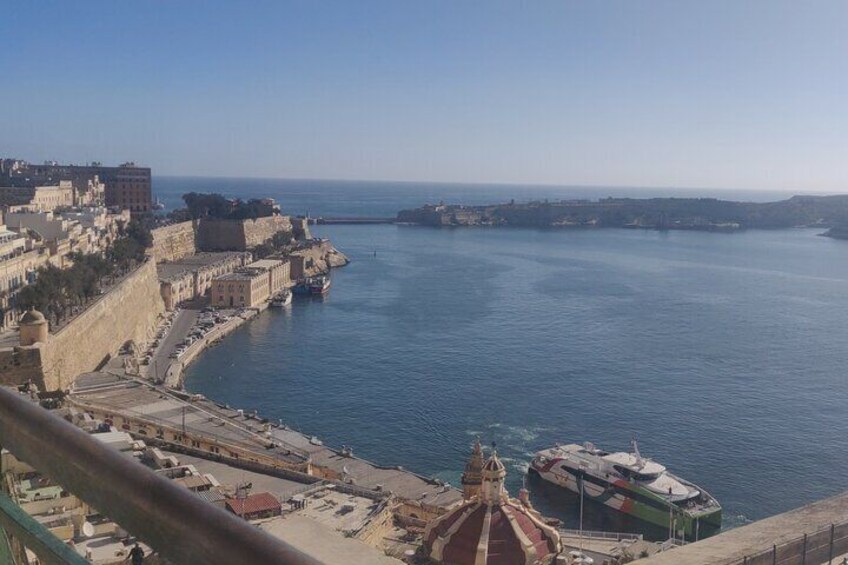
329, 258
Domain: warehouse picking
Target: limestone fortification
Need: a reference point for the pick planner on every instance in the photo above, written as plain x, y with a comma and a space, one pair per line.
128, 312
172, 243
239, 235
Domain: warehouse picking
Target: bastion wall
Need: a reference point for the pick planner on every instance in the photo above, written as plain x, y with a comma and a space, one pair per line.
171, 243
239, 235
129, 311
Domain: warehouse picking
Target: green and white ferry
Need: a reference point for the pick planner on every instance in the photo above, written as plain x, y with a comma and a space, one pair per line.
631, 484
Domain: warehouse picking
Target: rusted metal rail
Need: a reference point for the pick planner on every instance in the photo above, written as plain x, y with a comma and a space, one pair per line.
178, 524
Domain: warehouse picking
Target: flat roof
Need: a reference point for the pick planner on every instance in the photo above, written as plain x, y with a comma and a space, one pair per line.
240, 276
266, 263
176, 269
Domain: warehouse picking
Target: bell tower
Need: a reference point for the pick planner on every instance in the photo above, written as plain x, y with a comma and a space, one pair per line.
472, 478
493, 491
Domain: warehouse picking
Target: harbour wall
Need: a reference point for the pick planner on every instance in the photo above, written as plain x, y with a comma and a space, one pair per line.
171, 243
128, 312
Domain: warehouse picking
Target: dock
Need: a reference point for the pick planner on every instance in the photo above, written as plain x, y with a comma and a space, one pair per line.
193, 425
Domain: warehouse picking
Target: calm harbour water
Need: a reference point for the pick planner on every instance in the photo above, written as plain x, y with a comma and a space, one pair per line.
723, 353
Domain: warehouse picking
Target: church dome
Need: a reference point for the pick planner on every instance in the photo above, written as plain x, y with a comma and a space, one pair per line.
32, 316
491, 528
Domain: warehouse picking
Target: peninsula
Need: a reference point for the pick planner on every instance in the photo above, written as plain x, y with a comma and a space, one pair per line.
703, 214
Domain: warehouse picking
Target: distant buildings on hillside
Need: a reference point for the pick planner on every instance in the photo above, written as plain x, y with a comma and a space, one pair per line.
125, 186
48, 212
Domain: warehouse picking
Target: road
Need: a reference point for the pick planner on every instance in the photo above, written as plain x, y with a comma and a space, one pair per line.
183, 323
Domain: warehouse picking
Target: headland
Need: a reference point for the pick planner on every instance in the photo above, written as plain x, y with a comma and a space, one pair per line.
702, 214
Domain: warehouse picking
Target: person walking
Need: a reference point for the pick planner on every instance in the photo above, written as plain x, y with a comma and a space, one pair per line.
136, 554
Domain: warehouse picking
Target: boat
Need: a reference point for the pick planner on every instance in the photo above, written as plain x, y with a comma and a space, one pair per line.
318, 286
282, 298
313, 286
633, 485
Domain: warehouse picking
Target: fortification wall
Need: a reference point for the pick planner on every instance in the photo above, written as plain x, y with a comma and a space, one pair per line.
239, 235
21, 364
173, 242
129, 311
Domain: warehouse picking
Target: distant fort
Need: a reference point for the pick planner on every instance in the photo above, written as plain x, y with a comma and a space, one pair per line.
703, 214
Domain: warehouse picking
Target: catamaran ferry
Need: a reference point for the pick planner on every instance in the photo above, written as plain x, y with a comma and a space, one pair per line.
631, 484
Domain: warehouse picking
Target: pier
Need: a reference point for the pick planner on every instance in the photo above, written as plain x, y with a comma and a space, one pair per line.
350, 220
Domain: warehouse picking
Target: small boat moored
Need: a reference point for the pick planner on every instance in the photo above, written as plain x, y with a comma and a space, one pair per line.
313, 286
282, 298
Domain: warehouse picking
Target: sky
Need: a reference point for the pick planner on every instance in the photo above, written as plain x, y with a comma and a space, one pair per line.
728, 94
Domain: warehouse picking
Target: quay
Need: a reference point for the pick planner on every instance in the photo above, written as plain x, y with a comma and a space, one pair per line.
193, 425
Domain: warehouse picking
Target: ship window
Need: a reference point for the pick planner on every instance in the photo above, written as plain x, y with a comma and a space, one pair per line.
645, 476
624, 471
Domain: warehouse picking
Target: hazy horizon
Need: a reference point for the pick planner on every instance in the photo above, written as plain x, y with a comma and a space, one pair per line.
738, 96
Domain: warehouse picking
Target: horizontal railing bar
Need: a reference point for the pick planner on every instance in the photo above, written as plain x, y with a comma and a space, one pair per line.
174, 521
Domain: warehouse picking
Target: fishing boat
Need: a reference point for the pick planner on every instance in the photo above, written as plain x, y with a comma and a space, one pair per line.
631, 484
282, 298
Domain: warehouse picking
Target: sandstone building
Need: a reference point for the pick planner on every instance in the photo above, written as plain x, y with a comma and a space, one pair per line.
40, 198
191, 277
252, 285
124, 186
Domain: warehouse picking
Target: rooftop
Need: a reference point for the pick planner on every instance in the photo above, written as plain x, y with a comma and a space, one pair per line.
265, 263
318, 540
243, 274
254, 503
177, 269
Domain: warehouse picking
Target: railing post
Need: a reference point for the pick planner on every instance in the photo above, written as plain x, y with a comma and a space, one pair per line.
774, 554
804, 552
830, 546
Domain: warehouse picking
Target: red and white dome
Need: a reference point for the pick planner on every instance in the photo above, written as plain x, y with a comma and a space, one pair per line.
491, 528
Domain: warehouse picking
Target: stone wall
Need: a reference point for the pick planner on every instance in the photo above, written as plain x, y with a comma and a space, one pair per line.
173, 242
21, 364
239, 235
130, 311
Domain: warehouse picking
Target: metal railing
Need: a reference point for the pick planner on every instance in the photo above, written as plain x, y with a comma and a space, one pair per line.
179, 525
618, 536
817, 548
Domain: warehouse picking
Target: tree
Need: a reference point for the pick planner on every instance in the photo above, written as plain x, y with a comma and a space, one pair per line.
263, 250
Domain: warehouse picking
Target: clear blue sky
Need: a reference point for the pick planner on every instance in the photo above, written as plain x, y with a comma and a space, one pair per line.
736, 94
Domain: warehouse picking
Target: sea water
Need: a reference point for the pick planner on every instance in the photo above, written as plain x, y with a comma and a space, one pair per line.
722, 353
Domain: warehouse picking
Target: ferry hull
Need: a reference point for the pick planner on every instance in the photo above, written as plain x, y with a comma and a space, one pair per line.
620, 496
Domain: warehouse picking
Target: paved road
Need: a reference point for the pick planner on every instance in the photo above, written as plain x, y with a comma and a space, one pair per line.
179, 330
